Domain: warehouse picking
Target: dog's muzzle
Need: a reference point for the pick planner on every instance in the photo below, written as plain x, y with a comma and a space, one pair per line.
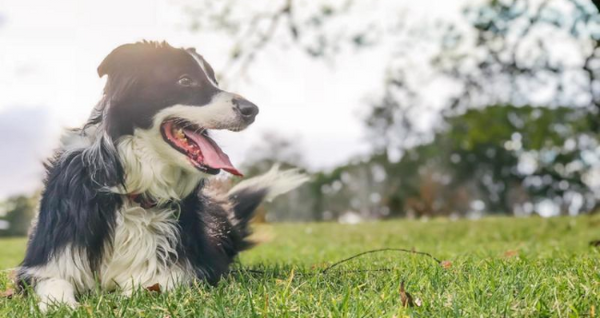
246, 109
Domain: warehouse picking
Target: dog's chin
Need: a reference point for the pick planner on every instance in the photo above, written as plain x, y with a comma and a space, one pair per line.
201, 151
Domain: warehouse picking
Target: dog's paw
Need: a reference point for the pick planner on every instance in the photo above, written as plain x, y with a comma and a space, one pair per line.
127, 292
55, 292
47, 305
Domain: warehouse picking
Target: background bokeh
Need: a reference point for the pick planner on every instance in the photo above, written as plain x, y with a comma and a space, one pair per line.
396, 108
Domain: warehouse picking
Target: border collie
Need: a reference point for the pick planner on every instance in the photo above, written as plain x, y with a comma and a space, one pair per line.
126, 203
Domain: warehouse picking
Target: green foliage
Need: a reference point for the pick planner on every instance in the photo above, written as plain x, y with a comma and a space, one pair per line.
539, 127
510, 158
500, 267
488, 146
18, 212
502, 52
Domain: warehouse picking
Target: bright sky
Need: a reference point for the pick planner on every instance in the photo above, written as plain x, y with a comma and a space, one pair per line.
48, 81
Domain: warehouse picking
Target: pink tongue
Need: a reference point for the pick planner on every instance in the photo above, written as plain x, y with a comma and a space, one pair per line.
212, 155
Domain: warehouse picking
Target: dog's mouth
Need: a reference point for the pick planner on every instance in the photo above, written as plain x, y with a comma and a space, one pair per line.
194, 142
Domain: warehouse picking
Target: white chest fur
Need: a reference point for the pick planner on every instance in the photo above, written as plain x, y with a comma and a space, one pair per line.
143, 251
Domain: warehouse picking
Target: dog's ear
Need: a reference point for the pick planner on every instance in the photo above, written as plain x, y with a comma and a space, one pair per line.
129, 57
123, 66
123, 56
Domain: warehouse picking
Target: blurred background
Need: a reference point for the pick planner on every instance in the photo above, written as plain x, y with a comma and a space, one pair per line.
412, 109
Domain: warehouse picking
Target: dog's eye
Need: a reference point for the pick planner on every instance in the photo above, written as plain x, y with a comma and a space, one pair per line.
185, 81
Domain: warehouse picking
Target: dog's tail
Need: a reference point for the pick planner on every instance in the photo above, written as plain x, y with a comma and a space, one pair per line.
247, 195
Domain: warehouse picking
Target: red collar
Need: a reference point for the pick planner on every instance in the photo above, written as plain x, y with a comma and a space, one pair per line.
143, 202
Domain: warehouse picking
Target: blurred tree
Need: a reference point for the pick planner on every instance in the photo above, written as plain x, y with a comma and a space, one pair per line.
18, 211
545, 153
320, 29
439, 152
515, 52
508, 158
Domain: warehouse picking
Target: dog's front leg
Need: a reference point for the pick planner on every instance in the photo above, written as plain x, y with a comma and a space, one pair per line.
55, 291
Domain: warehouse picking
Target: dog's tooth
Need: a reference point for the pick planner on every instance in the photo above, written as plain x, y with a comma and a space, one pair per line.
179, 134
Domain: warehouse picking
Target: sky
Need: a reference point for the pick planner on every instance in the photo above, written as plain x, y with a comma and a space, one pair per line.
48, 82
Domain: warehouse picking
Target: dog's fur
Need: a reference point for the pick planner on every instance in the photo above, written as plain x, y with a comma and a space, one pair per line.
122, 209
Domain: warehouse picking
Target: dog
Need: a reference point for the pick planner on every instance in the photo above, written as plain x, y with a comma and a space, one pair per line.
127, 202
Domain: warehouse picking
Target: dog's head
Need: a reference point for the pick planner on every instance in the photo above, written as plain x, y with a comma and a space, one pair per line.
171, 97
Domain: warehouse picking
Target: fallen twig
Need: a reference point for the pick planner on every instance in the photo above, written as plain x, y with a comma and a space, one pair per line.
389, 249
377, 251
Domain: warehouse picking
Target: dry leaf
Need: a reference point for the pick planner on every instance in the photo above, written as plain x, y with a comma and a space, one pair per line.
89, 310
154, 288
511, 253
8, 293
446, 264
418, 302
405, 297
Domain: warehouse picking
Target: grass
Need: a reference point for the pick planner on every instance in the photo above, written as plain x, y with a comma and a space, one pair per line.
500, 267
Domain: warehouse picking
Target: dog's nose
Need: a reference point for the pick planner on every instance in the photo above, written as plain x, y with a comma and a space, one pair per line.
246, 108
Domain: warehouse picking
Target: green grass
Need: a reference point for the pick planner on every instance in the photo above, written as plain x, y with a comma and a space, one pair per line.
500, 267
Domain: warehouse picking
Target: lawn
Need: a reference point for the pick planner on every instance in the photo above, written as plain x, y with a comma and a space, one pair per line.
496, 267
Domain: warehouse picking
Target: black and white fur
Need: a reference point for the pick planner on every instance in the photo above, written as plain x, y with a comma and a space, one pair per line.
91, 231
